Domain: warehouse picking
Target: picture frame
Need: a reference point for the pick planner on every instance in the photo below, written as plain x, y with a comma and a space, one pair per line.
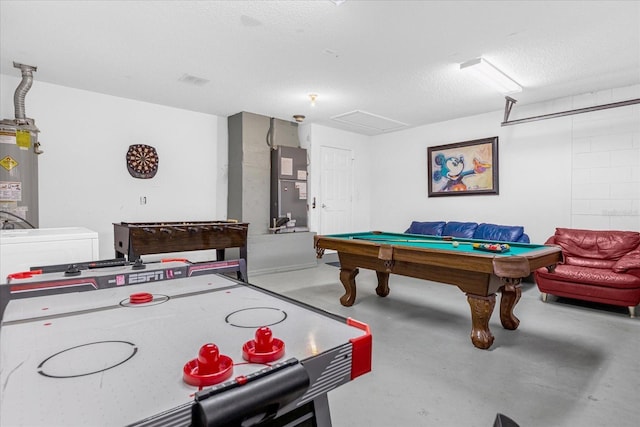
463, 168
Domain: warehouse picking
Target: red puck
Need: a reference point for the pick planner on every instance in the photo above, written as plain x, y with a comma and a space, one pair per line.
140, 298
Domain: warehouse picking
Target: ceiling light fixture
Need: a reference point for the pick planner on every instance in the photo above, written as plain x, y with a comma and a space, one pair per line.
299, 118
488, 74
313, 98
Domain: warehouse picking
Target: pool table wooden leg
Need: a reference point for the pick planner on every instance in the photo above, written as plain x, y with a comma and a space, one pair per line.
481, 310
348, 279
383, 283
511, 293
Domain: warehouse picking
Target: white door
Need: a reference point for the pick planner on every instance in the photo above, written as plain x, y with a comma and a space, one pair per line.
336, 190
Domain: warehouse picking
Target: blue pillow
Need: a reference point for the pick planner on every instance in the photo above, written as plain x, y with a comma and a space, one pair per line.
429, 228
500, 233
460, 229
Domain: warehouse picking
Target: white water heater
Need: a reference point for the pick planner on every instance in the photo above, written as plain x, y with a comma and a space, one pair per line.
19, 151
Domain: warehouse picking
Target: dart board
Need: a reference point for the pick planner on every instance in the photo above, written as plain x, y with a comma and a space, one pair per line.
142, 161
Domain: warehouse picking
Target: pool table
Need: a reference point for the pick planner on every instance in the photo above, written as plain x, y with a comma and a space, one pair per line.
479, 274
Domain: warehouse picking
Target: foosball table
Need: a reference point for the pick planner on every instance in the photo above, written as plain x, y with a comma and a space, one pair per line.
134, 239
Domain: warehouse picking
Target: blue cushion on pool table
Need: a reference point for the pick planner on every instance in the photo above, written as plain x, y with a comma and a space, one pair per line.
500, 233
433, 228
460, 229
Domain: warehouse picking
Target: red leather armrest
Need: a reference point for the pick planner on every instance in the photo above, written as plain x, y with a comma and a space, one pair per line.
629, 261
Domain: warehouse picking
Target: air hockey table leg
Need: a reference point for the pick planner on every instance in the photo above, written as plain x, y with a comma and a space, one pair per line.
243, 276
321, 406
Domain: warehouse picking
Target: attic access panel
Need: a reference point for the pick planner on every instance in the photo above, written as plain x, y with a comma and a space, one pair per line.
369, 121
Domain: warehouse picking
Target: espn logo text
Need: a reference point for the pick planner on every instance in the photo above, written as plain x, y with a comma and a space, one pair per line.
149, 276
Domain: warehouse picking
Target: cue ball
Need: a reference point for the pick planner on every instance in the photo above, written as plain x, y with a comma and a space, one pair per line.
455, 244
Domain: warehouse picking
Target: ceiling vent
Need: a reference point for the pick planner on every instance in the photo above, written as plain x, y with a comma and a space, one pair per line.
193, 80
369, 121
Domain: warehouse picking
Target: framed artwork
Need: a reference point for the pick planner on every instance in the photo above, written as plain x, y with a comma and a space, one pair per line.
464, 168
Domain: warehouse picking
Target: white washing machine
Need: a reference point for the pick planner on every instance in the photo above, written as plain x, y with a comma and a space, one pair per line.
22, 249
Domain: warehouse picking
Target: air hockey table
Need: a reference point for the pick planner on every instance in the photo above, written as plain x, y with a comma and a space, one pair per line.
168, 344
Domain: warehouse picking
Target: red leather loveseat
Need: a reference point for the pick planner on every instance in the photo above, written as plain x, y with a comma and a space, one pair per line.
598, 266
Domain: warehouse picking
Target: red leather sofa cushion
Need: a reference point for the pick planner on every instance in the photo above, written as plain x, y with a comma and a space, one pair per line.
589, 262
596, 244
591, 276
622, 297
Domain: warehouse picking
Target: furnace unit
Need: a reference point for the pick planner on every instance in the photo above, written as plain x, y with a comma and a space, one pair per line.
289, 188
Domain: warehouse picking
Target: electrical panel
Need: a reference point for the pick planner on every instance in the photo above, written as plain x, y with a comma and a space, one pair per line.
289, 188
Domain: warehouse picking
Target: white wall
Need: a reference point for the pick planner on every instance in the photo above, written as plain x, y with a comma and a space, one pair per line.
580, 171
539, 164
549, 170
606, 165
83, 179
222, 168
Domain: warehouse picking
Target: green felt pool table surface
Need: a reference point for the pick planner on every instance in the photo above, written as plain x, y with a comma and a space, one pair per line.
479, 274
437, 242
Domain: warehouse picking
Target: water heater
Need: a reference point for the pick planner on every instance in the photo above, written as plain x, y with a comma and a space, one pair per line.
19, 151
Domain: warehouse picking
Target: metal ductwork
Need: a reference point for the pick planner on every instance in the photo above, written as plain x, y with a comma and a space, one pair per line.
21, 91
19, 150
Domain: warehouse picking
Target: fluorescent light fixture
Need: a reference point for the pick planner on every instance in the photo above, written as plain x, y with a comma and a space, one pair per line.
488, 74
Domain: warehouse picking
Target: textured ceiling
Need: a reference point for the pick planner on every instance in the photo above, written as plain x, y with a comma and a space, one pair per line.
395, 59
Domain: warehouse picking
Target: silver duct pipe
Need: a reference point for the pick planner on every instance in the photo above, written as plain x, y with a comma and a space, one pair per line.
21, 91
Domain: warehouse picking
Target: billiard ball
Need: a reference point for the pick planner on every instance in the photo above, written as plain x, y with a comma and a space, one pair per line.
455, 244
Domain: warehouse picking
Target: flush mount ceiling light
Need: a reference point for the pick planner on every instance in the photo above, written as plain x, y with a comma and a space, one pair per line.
299, 118
488, 74
313, 98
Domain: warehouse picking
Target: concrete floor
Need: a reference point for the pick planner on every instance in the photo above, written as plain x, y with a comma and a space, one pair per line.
568, 364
